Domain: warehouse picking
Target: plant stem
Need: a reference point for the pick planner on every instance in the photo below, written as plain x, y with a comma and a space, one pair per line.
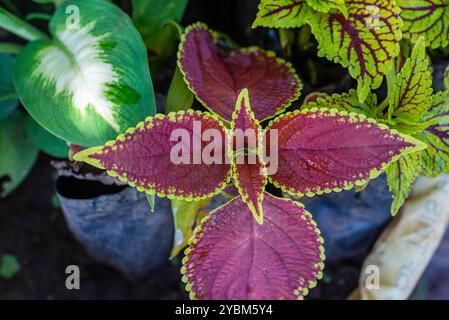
6, 47
391, 81
21, 28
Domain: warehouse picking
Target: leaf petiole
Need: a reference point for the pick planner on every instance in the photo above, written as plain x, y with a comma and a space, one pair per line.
19, 27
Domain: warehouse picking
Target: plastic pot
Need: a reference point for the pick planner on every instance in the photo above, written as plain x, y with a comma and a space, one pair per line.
116, 226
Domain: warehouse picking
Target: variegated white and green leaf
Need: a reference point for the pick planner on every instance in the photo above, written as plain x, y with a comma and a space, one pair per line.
91, 81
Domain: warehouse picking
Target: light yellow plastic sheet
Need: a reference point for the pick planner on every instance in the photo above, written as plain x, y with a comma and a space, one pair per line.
403, 251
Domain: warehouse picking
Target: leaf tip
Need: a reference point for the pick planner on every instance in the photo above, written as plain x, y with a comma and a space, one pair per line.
85, 156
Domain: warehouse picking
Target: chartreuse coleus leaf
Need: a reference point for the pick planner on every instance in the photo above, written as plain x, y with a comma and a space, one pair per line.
328, 5
314, 96
411, 93
293, 13
217, 76
184, 216
164, 155
322, 150
249, 171
91, 80
348, 102
46, 141
435, 158
8, 96
17, 152
365, 42
231, 256
401, 176
428, 18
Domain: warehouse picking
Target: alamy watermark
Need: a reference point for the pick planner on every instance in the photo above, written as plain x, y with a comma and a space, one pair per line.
247, 146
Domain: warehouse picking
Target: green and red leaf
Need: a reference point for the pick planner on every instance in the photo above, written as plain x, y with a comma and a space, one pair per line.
366, 42
401, 175
281, 13
323, 150
250, 178
428, 18
156, 158
293, 13
436, 157
233, 257
348, 102
328, 5
410, 96
217, 75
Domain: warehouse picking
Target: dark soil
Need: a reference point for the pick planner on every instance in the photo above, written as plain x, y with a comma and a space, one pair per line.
35, 231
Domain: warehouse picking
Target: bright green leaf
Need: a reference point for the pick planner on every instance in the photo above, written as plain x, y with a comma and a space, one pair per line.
150, 17
179, 96
348, 102
46, 141
17, 152
327, 5
410, 98
281, 13
9, 266
151, 198
366, 42
401, 175
436, 157
184, 216
428, 18
92, 80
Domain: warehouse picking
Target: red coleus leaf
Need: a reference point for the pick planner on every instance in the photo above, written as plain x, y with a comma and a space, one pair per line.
148, 156
321, 150
217, 75
233, 257
249, 172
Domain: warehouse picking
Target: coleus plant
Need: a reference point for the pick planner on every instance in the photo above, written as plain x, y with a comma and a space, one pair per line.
362, 35
256, 246
412, 109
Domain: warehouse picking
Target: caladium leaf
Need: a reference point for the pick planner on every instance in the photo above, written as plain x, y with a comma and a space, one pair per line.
233, 257
91, 81
217, 76
45, 141
429, 18
348, 102
184, 215
250, 174
8, 96
436, 156
165, 155
17, 152
401, 175
366, 42
324, 150
410, 97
